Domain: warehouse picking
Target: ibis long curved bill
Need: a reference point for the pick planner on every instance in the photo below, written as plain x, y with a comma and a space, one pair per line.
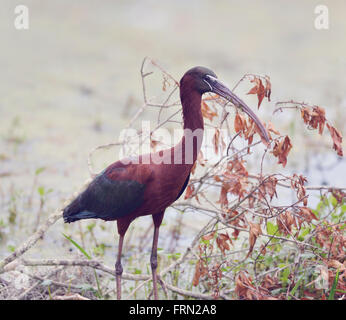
219, 88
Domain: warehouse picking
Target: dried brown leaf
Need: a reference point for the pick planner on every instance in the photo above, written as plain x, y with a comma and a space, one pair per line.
221, 242
209, 236
189, 191
239, 123
207, 112
255, 231
337, 139
259, 90
281, 150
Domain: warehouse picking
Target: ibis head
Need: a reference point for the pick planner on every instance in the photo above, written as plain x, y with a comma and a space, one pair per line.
205, 80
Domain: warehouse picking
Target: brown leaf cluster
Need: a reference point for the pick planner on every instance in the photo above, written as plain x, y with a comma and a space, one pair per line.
305, 214
268, 187
339, 195
235, 219
237, 167
315, 117
239, 123
285, 222
261, 90
215, 277
297, 183
201, 270
223, 200
270, 283
247, 129
281, 150
207, 112
234, 181
332, 238
245, 289
337, 265
223, 242
333, 265
211, 272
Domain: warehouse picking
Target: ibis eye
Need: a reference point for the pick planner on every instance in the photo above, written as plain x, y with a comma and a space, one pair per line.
206, 79
209, 78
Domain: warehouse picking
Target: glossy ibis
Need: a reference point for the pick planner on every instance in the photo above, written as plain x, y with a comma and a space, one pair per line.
128, 189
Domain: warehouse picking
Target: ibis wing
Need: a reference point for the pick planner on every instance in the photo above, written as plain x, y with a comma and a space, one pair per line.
106, 198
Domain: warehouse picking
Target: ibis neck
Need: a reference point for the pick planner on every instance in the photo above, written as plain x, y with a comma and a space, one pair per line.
192, 113
191, 142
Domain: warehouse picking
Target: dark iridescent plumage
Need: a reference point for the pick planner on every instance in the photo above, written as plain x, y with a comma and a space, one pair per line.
106, 199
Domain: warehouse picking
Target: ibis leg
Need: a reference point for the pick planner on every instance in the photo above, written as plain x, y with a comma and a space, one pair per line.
119, 267
153, 259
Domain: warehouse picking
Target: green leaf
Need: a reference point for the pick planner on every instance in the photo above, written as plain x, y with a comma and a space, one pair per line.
11, 248
225, 269
319, 206
333, 201
293, 291
41, 191
269, 260
303, 233
206, 242
89, 257
343, 208
100, 249
316, 213
333, 289
325, 201
77, 246
339, 290
91, 226
271, 228
39, 170
285, 274
138, 271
